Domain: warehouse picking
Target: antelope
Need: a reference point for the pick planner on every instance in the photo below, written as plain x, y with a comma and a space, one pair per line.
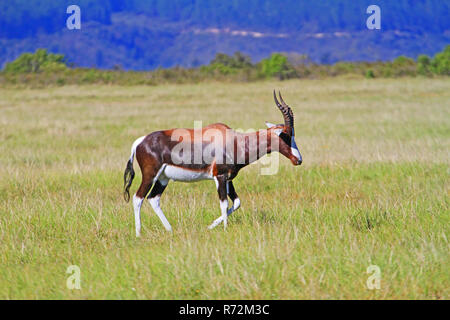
167, 155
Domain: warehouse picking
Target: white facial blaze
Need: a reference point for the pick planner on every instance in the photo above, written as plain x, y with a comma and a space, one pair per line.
294, 149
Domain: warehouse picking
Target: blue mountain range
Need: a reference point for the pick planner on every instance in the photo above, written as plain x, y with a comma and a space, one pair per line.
142, 35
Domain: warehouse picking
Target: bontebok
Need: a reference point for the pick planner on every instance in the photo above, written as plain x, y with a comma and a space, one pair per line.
215, 152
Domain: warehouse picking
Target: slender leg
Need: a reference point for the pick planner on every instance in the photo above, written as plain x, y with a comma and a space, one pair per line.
236, 204
154, 198
137, 203
221, 184
138, 198
234, 197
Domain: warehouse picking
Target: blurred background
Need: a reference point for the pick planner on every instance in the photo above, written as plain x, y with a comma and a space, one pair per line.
144, 35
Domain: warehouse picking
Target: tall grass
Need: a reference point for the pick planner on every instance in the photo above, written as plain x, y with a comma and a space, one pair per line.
373, 190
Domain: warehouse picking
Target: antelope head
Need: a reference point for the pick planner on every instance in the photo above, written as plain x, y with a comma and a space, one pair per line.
285, 132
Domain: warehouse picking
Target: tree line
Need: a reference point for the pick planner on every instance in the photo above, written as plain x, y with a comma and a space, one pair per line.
44, 68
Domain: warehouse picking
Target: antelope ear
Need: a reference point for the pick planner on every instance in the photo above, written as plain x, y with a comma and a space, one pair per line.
278, 131
270, 125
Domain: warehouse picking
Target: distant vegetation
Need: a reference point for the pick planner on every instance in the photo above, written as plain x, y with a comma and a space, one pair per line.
42, 68
146, 35
40, 61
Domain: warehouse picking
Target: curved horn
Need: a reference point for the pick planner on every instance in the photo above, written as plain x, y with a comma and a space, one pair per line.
288, 115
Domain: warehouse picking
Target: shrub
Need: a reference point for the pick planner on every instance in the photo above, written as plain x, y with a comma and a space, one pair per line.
226, 65
219, 68
403, 61
90, 76
441, 62
277, 65
370, 74
39, 61
237, 61
403, 66
387, 70
423, 65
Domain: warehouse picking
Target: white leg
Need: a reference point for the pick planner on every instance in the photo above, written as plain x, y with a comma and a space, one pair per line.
137, 203
236, 205
215, 223
154, 202
223, 203
224, 209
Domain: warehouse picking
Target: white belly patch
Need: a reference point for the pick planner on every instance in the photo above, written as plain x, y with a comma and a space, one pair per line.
186, 175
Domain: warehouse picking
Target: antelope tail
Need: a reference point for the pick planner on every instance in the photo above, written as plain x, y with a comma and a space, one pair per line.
128, 175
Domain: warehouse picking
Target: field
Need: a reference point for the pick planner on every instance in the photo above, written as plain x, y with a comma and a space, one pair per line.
373, 190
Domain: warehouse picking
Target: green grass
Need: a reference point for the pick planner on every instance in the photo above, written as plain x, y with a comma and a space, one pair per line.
373, 190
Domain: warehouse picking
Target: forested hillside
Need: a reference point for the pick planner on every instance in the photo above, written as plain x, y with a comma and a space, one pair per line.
147, 34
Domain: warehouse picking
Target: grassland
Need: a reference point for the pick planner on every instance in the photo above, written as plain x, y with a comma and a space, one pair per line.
373, 190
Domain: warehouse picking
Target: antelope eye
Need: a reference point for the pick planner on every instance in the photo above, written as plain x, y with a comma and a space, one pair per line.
286, 138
